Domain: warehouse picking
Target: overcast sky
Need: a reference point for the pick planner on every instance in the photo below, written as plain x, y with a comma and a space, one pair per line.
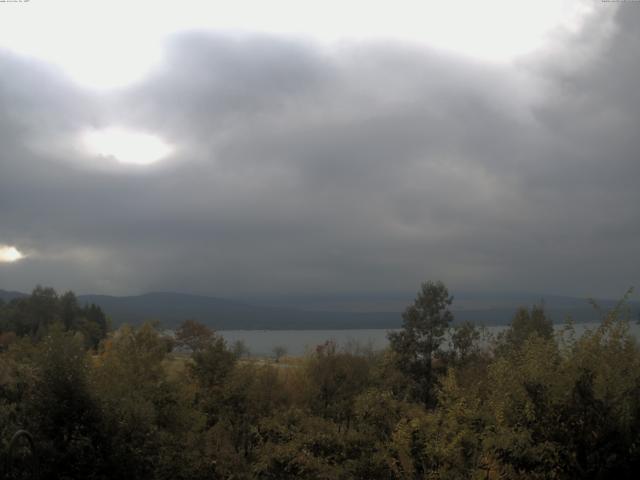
296, 158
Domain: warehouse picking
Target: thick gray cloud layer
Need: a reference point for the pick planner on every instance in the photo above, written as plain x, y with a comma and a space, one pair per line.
298, 169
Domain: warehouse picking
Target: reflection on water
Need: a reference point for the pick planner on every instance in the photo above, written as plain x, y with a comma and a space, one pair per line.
297, 342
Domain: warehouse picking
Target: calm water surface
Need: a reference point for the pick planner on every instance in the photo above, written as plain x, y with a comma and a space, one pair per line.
297, 342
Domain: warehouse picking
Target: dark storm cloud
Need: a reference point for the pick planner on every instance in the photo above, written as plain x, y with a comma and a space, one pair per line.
300, 169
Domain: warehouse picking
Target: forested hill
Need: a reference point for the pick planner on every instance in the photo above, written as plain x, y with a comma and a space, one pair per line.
221, 314
343, 313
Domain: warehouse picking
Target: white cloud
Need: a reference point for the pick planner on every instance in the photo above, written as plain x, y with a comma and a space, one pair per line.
112, 44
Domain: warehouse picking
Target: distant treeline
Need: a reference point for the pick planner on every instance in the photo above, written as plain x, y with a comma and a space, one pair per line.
128, 404
33, 315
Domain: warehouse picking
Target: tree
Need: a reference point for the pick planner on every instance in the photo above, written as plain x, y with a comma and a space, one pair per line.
335, 379
240, 349
279, 351
212, 365
464, 341
524, 324
194, 335
63, 409
424, 326
93, 324
68, 310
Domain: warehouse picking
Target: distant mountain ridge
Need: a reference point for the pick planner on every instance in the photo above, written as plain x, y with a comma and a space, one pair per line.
307, 314
8, 296
172, 308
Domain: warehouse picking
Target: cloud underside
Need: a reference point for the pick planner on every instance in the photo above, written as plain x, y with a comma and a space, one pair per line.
299, 170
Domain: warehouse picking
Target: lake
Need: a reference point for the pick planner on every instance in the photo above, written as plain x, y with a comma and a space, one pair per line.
297, 342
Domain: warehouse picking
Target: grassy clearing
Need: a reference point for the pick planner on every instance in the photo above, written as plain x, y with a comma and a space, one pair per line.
176, 364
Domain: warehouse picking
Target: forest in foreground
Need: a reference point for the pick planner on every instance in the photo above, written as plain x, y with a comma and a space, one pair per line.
79, 400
